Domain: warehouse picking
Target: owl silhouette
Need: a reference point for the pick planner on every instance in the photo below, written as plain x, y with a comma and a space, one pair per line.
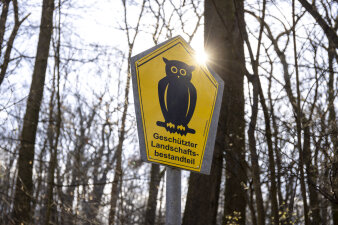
177, 97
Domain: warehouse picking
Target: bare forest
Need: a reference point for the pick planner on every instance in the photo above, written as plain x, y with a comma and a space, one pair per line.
69, 148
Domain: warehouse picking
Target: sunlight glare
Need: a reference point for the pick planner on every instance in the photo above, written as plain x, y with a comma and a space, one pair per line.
201, 57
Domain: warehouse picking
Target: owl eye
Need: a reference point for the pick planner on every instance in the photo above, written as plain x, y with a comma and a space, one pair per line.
173, 69
183, 72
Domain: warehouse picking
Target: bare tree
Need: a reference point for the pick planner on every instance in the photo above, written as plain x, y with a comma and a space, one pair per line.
54, 129
118, 167
330, 32
24, 184
10, 42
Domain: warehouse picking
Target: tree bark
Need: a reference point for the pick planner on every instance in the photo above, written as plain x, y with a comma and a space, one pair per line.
268, 134
334, 133
54, 140
233, 76
203, 194
153, 191
52, 166
24, 182
251, 206
312, 175
115, 190
224, 45
3, 19
254, 155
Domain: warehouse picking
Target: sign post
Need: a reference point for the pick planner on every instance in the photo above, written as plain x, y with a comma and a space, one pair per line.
173, 196
177, 105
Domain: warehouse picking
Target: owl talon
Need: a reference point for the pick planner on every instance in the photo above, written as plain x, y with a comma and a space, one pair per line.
170, 127
180, 128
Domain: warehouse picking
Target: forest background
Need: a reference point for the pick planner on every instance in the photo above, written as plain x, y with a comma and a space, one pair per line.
69, 149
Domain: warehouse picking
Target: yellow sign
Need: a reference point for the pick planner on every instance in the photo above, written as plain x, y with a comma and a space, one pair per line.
176, 100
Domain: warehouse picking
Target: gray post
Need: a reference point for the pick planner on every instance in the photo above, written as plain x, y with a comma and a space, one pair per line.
173, 196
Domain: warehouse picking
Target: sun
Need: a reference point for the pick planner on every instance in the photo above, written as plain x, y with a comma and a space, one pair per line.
201, 56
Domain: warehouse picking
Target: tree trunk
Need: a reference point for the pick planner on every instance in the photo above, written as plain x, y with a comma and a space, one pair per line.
3, 19
153, 191
268, 134
52, 165
118, 167
24, 183
276, 148
300, 118
254, 155
312, 175
334, 133
257, 90
115, 190
203, 194
251, 206
54, 140
224, 45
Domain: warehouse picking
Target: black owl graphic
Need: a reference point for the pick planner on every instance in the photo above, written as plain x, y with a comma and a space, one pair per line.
177, 96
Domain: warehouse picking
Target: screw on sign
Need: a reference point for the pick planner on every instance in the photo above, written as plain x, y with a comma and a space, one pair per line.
177, 105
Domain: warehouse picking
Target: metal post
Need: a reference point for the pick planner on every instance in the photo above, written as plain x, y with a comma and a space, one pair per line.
173, 196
